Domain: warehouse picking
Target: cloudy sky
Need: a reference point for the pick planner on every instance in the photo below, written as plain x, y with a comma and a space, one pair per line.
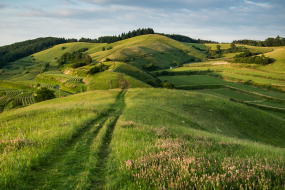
219, 20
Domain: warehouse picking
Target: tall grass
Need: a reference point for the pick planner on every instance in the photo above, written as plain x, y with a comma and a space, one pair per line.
29, 135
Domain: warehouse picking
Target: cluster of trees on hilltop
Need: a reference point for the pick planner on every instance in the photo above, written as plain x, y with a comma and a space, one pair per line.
269, 42
77, 58
254, 59
13, 52
182, 38
247, 53
123, 36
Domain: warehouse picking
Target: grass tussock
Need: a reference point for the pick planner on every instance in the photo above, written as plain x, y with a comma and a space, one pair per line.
182, 164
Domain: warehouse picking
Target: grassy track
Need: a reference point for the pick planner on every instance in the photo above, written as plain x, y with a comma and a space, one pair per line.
81, 164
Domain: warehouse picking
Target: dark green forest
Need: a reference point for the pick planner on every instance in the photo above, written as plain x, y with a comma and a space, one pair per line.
182, 38
123, 36
269, 42
19, 50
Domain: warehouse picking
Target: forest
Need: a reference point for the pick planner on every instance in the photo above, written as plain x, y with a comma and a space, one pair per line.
19, 50
182, 38
269, 42
123, 36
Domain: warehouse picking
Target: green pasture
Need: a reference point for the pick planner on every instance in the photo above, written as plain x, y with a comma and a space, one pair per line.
279, 64
257, 80
272, 104
253, 49
146, 49
226, 93
51, 54
193, 80
133, 72
159, 125
116, 139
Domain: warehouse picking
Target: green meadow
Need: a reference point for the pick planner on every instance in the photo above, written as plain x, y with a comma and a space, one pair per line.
220, 126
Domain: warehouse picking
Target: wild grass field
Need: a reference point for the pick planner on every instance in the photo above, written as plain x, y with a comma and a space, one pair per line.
132, 134
141, 139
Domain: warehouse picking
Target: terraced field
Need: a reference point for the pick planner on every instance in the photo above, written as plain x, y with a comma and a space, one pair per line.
229, 94
272, 104
10, 94
193, 80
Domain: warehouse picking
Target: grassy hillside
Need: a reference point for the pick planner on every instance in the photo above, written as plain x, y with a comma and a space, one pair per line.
57, 51
156, 49
279, 65
253, 49
139, 139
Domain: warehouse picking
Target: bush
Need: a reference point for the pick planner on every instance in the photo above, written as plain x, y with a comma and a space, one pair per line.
76, 65
17, 102
2, 94
43, 94
63, 48
103, 48
149, 67
107, 59
167, 85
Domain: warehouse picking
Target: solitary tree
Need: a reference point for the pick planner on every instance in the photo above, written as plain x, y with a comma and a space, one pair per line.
208, 49
167, 85
103, 48
233, 46
43, 94
218, 48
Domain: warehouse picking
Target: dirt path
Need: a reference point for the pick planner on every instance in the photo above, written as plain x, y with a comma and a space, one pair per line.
124, 81
82, 162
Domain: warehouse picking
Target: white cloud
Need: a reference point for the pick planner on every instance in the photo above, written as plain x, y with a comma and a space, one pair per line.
67, 2
265, 5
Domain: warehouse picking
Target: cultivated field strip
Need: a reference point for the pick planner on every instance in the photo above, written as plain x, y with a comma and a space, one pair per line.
81, 163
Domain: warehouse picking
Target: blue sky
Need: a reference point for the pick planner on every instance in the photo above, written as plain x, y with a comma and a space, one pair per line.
219, 20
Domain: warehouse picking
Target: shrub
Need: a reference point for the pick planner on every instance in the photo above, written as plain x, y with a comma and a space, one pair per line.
164, 73
43, 94
2, 94
103, 48
76, 65
167, 85
17, 102
108, 59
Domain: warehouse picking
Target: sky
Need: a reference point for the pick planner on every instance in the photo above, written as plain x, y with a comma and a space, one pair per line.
217, 20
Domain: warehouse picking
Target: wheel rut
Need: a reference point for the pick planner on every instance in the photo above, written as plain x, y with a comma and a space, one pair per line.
81, 163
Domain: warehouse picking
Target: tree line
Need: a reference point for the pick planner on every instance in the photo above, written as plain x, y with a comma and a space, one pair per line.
182, 38
269, 42
262, 60
115, 38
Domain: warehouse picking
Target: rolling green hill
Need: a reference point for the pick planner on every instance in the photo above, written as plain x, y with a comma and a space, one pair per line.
279, 65
117, 138
221, 127
142, 50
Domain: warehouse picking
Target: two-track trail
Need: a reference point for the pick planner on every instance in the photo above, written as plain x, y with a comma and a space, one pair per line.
81, 164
